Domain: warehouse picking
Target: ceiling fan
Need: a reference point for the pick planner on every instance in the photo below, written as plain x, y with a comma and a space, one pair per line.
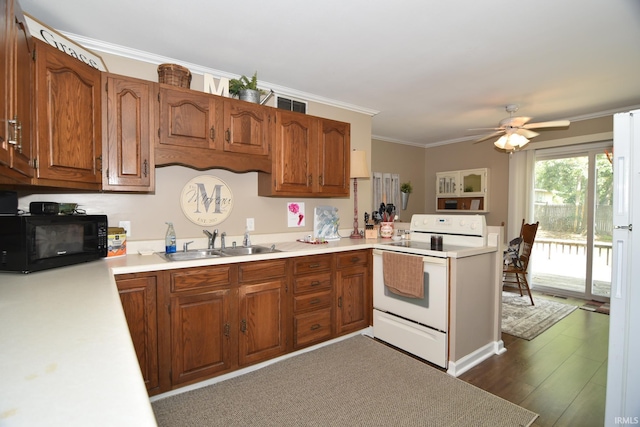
515, 132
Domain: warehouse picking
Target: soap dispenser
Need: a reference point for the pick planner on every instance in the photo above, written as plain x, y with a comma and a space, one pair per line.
170, 239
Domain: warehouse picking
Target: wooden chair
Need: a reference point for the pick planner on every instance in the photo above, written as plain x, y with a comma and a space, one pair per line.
517, 275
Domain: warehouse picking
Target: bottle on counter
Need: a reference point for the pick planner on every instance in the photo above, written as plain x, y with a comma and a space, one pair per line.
170, 239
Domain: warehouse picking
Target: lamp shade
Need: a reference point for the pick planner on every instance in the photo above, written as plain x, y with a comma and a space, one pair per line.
359, 167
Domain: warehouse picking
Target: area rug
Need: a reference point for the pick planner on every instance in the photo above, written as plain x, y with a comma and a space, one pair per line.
597, 307
523, 320
355, 382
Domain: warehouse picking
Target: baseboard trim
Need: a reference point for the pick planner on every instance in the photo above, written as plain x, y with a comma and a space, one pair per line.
459, 367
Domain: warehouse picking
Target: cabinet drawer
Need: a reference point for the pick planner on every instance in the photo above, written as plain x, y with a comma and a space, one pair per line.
195, 278
261, 270
347, 259
309, 264
315, 282
312, 327
312, 301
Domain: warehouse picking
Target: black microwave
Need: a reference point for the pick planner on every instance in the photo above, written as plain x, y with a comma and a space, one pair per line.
39, 242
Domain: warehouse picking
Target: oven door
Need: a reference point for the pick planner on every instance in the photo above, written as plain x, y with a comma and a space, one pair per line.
432, 310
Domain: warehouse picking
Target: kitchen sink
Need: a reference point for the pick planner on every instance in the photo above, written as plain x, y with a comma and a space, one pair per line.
248, 250
217, 253
192, 254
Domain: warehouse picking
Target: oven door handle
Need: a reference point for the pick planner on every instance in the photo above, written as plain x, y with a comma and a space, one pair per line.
425, 259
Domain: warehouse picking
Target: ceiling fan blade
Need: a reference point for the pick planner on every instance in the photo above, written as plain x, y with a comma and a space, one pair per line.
491, 135
527, 133
551, 124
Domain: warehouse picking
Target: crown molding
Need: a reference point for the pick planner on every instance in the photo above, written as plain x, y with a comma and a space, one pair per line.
139, 55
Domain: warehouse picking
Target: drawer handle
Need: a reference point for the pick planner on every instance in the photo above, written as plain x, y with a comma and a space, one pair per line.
243, 326
316, 326
315, 283
314, 265
355, 259
314, 301
212, 133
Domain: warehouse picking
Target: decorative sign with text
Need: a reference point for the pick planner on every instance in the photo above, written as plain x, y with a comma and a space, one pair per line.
206, 200
63, 44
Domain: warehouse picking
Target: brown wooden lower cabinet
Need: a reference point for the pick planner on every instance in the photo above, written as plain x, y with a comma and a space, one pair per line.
353, 291
200, 335
192, 324
139, 301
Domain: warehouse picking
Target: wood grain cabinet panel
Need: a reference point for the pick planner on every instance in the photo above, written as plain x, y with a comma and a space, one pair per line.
201, 344
248, 128
16, 80
310, 157
138, 294
353, 293
262, 316
128, 130
68, 121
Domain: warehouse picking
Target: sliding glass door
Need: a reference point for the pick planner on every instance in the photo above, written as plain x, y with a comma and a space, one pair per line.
572, 202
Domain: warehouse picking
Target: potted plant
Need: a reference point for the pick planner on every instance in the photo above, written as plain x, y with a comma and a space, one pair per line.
405, 190
246, 88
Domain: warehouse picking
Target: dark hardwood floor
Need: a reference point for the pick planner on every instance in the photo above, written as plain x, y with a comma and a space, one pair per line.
561, 374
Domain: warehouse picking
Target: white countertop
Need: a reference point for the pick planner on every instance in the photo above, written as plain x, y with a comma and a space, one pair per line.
67, 358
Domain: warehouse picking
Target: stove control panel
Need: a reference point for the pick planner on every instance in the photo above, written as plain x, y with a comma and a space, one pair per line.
449, 224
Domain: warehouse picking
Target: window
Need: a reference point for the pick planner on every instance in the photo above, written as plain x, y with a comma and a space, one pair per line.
386, 189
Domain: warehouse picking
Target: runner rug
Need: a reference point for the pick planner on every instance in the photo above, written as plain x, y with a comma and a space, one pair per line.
355, 382
523, 320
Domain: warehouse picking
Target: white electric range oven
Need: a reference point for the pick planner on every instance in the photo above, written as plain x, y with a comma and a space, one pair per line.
420, 326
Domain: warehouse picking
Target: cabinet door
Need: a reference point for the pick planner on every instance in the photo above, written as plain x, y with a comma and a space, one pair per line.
139, 298
447, 183
200, 335
16, 78
128, 134
248, 128
262, 314
6, 82
190, 119
473, 182
69, 135
352, 290
293, 154
333, 158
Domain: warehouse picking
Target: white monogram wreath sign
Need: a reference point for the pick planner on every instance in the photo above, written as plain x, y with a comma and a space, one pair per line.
206, 200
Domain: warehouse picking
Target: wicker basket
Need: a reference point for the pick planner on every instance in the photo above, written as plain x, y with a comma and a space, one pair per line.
175, 75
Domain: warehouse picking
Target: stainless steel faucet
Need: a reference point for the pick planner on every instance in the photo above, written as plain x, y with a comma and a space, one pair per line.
222, 236
212, 237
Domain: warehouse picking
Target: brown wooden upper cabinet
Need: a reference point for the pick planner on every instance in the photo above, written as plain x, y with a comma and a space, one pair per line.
16, 48
310, 158
205, 131
68, 121
129, 123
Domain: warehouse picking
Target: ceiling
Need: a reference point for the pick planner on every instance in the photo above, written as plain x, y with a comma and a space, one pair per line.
428, 71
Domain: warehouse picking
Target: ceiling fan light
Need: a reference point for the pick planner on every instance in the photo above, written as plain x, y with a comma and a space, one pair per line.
511, 142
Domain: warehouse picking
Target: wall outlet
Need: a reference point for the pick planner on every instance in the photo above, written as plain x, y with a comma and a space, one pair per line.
127, 227
251, 225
